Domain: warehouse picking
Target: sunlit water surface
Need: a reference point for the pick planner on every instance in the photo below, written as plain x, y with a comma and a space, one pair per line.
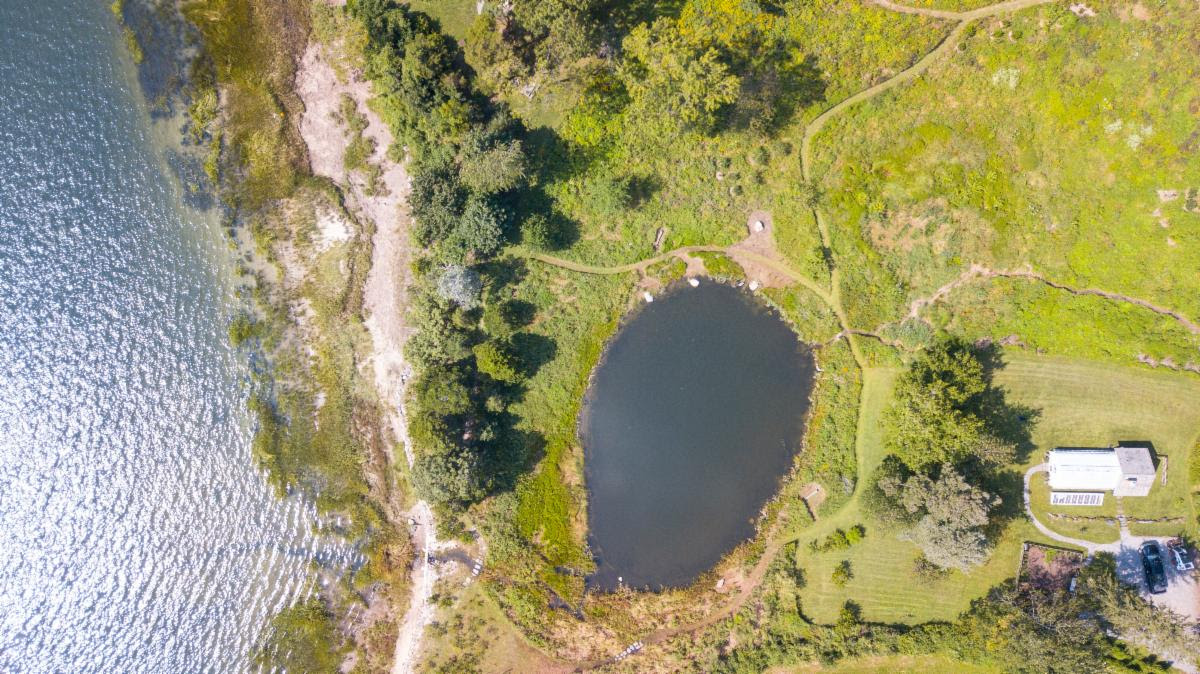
135, 532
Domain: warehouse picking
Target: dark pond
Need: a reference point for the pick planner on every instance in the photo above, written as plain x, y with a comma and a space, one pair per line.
692, 418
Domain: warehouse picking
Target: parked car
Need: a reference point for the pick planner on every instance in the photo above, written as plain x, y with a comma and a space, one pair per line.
1180, 554
1152, 565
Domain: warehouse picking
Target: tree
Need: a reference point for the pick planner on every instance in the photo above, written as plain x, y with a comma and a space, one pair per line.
440, 390
497, 168
952, 516
672, 79
1031, 632
882, 497
501, 317
843, 574
460, 285
538, 232
561, 31
925, 428
451, 478
934, 417
439, 341
390, 24
437, 200
479, 231
495, 52
496, 359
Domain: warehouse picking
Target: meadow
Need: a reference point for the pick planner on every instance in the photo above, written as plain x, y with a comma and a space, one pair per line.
1044, 140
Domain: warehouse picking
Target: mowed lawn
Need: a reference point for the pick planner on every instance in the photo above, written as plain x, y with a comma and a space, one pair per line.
1090, 404
1097, 530
1079, 403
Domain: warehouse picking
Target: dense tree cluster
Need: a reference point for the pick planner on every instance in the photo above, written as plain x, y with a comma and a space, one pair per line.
670, 76
469, 174
944, 437
1013, 629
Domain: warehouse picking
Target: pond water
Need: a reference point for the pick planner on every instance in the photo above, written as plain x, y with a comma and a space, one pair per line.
692, 418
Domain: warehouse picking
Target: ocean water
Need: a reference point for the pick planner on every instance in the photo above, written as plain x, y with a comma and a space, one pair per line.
136, 533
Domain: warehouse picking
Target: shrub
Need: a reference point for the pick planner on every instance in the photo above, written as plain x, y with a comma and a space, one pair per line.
538, 232
242, 328
843, 574
608, 195
460, 285
927, 571
479, 232
496, 359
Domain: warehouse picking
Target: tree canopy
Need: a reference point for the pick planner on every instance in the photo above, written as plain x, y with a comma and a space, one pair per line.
675, 80
951, 516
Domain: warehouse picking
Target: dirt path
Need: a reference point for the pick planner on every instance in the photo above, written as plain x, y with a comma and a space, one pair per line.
969, 15
324, 132
979, 271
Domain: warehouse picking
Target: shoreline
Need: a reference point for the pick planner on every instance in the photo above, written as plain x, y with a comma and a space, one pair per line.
384, 295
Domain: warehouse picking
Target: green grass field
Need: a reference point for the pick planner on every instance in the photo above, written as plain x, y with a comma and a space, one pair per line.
456, 16
1081, 403
926, 664
1088, 404
1097, 531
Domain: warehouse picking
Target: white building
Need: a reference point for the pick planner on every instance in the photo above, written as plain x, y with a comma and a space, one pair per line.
1125, 471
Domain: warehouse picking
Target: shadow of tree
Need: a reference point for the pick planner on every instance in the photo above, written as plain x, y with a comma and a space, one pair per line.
533, 351
1010, 422
774, 86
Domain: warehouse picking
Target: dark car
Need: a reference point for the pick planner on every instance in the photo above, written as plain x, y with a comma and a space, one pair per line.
1152, 564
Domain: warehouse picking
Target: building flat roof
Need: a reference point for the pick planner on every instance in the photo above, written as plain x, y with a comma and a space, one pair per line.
1084, 468
1135, 460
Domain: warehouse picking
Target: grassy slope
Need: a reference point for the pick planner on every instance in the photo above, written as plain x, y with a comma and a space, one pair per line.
1043, 142
1081, 403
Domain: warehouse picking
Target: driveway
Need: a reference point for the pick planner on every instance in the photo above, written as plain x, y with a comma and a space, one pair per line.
1183, 590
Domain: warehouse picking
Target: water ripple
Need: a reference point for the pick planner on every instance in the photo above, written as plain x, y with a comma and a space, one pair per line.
135, 533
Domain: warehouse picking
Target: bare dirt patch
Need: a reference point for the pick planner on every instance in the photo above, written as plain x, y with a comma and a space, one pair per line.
1049, 569
759, 243
695, 266
925, 225
1080, 9
813, 495
323, 130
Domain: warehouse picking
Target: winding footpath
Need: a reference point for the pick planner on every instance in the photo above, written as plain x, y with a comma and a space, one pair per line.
832, 295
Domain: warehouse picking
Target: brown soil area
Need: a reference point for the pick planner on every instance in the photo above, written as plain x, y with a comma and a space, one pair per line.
1049, 569
758, 247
